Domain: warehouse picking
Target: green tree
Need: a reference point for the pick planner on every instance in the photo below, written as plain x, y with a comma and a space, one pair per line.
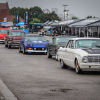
34, 12
48, 16
13, 20
74, 17
88, 17
35, 20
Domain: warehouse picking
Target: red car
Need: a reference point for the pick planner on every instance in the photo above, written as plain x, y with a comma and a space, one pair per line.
3, 33
13, 38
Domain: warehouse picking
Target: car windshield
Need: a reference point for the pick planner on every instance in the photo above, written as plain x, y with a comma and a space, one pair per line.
17, 34
62, 39
35, 39
3, 31
90, 43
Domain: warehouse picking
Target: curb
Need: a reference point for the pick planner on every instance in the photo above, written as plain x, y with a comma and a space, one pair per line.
5, 91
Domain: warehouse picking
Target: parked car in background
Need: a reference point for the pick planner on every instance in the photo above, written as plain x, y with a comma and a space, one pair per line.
3, 33
39, 32
57, 42
83, 54
33, 43
13, 38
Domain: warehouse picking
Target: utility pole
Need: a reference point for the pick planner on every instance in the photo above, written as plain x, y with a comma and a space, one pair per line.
67, 14
65, 10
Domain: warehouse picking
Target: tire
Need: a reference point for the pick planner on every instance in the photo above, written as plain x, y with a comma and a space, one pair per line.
24, 51
56, 57
62, 64
20, 49
9, 46
48, 54
77, 67
6, 45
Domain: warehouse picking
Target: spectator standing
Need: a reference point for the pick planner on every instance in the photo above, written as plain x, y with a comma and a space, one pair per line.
42, 31
51, 31
55, 32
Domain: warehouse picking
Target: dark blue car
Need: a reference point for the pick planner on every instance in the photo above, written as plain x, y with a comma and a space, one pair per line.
33, 43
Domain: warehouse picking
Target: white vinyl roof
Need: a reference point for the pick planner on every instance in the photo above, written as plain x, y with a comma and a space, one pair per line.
84, 23
96, 24
66, 22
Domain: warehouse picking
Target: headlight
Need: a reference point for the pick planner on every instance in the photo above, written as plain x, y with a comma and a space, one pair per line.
30, 45
10, 39
60, 47
85, 59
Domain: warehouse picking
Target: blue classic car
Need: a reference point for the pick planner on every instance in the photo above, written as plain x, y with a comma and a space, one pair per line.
33, 43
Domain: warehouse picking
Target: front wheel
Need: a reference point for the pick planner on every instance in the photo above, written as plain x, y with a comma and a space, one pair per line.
9, 46
48, 54
77, 68
56, 57
6, 45
20, 49
62, 64
24, 52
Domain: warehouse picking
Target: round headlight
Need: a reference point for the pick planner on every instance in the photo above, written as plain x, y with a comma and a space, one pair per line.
60, 47
85, 59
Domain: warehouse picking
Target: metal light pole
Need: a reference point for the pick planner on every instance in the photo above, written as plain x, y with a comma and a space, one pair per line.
65, 10
67, 14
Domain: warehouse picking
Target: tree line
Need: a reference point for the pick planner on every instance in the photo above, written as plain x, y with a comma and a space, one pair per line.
36, 15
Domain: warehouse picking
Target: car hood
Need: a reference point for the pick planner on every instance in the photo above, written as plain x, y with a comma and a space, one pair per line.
92, 51
3, 34
16, 37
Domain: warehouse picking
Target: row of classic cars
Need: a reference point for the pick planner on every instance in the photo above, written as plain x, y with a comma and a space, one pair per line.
79, 53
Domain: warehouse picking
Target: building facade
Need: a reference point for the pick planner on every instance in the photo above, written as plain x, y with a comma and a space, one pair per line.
4, 11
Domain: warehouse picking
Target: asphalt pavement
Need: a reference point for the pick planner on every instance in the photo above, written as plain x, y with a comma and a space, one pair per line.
36, 77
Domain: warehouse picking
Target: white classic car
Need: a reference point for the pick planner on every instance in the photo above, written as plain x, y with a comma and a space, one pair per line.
83, 54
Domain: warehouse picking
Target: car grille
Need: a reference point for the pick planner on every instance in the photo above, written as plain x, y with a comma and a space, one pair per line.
39, 49
93, 58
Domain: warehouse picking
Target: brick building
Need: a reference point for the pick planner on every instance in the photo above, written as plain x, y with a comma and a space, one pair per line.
4, 11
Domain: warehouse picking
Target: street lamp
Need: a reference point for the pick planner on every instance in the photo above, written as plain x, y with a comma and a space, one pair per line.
67, 14
65, 10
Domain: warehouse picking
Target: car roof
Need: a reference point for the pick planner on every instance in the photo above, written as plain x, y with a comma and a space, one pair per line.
17, 31
85, 38
4, 29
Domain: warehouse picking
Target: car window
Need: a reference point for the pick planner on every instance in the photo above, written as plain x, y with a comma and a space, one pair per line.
17, 33
3, 31
70, 44
35, 39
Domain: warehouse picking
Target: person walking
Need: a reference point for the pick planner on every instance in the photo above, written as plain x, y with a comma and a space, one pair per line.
42, 31
51, 31
55, 32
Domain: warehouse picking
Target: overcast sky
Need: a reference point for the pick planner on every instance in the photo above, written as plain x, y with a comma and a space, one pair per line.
79, 8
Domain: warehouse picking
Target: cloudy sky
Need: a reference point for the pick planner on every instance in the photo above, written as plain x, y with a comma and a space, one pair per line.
79, 8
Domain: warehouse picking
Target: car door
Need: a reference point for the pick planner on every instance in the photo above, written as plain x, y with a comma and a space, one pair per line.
69, 53
52, 46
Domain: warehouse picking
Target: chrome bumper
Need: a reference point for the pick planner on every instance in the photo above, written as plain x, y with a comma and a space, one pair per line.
36, 51
90, 66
